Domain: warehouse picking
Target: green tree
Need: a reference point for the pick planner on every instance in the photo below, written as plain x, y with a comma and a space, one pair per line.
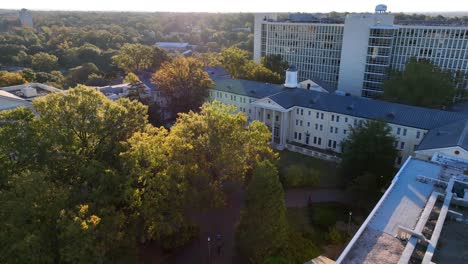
370, 148
138, 57
44, 62
131, 78
421, 83
234, 59
11, 78
216, 145
275, 63
263, 229
184, 83
83, 212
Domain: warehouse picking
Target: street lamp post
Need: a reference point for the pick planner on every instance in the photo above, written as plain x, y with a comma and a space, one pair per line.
209, 250
349, 221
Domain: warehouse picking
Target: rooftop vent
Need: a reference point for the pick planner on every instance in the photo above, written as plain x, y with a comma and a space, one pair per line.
229, 86
252, 92
390, 115
29, 92
350, 107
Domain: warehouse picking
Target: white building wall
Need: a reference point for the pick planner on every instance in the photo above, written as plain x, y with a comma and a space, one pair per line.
354, 51
258, 33
326, 126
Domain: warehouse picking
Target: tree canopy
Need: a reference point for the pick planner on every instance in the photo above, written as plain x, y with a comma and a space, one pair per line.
84, 177
239, 65
263, 229
138, 57
369, 156
44, 62
422, 84
184, 83
275, 63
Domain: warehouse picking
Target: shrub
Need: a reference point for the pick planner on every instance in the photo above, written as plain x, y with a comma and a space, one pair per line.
298, 175
336, 236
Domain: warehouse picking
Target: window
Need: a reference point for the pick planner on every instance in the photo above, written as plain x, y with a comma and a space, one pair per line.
333, 117
334, 144
320, 141
316, 126
346, 119
300, 136
276, 118
336, 130
329, 143
337, 118
302, 111
307, 139
321, 127
301, 122
268, 116
345, 131
331, 129
355, 122
402, 145
399, 160
315, 140
398, 131
308, 124
418, 134
404, 131
321, 116
317, 115
297, 122
309, 113
250, 111
295, 135
297, 111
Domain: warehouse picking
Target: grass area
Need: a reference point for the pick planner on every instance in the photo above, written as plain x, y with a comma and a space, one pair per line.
327, 172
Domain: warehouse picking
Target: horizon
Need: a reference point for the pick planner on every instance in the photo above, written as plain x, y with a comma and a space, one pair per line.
241, 6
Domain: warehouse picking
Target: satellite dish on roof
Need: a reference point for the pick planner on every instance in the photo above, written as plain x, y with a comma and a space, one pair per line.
381, 9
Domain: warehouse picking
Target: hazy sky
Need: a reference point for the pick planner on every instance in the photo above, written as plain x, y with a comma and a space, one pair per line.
239, 5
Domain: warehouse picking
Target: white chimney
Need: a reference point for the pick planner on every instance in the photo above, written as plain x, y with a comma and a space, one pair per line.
29, 91
291, 77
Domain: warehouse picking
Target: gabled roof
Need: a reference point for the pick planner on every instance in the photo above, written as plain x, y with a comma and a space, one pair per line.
451, 135
216, 72
404, 115
247, 88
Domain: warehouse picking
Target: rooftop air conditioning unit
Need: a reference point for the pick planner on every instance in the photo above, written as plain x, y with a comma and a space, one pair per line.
29, 92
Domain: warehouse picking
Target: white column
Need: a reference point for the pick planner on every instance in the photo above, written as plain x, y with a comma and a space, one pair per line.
273, 118
255, 113
264, 116
283, 129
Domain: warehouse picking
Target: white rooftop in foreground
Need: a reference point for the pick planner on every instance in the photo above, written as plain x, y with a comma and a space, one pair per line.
425, 198
401, 205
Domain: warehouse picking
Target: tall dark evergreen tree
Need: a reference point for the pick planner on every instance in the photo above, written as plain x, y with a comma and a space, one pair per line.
263, 229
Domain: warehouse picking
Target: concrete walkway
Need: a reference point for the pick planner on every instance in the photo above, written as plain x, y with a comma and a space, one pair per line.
300, 197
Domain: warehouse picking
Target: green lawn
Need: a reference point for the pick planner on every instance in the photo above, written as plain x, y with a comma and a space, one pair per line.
327, 171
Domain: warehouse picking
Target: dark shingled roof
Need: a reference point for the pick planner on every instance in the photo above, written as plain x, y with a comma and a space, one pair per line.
247, 88
404, 115
453, 134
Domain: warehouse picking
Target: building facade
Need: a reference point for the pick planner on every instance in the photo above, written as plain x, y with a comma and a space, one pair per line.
315, 123
354, 56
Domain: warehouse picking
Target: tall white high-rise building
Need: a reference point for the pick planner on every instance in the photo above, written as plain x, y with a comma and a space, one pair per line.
354, 56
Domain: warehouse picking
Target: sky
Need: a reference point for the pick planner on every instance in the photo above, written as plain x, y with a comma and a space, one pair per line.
310, 6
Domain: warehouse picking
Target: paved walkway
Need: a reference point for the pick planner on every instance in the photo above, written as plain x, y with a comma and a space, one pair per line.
300, 197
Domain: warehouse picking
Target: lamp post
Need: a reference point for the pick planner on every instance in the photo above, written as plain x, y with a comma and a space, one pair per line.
209, 250
349, 221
